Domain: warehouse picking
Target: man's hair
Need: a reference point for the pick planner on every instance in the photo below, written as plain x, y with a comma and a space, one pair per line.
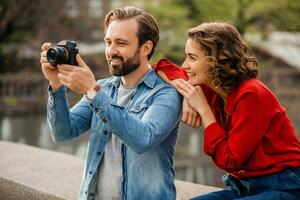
147, 25
232, 61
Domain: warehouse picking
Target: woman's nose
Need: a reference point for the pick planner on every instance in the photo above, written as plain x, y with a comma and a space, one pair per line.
185, 65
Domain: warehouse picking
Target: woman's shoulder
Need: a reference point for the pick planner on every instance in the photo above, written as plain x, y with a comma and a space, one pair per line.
255, 86
255, 89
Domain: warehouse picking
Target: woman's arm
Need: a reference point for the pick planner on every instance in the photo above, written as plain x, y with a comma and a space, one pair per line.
197, 100
171, 73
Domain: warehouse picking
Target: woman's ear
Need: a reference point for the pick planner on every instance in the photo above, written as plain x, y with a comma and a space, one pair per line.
146, 48
211, 62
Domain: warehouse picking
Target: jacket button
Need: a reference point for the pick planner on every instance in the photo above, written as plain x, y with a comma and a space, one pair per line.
104, 120
98, 153
85, 192
96, 109
90, 172
104, 132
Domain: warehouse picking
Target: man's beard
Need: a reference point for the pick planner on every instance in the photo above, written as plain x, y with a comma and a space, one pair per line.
126, 67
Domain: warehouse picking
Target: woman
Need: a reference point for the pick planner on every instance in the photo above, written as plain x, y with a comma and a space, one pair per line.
246, 130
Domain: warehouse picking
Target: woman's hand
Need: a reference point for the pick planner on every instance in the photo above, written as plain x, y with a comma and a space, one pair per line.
164, 77
197, 100
189, 115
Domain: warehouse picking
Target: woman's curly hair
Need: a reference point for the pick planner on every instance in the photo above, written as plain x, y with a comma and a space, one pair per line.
231, 60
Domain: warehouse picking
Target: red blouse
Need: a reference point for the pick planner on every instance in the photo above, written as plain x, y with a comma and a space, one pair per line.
253, 135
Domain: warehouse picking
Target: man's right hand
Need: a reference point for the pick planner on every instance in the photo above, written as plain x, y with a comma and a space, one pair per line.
49, 71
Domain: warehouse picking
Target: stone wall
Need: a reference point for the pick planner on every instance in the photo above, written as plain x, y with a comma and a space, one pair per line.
28, 172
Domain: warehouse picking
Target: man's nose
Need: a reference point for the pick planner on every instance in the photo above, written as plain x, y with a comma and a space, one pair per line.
112, 50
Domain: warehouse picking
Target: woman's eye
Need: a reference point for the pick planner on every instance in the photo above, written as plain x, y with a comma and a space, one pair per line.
192, 58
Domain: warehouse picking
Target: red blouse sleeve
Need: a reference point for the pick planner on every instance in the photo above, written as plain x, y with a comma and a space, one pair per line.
231, 149
171, 70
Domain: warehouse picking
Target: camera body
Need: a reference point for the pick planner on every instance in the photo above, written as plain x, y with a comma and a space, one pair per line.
63, 53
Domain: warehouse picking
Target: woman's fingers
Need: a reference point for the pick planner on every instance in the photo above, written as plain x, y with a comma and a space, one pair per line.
186, 84
198, 122
189, 115
181, 88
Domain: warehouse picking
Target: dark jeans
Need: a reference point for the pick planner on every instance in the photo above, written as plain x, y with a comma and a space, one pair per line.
284, 185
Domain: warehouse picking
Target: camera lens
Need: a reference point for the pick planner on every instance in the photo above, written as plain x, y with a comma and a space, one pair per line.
52, 54
57, 55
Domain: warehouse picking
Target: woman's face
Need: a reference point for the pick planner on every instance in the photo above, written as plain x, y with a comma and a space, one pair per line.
196, 63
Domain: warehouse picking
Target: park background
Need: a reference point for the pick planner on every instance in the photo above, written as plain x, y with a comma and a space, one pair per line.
270, 27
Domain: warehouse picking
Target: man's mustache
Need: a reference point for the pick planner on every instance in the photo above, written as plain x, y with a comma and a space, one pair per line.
116, 57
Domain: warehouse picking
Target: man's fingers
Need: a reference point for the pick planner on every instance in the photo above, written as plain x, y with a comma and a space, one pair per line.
80, 62
63, 78
65, 68
44, 60
46, 46
48, 65
44, 54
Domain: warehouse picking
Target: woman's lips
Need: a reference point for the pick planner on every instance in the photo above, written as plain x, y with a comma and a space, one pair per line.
190, 74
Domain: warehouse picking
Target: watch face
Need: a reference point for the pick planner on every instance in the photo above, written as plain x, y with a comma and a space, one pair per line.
91, 94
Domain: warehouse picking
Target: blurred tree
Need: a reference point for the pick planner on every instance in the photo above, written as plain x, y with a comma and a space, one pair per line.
25, 24
20, 22
33, 22
176, 16
282, 15
173, 21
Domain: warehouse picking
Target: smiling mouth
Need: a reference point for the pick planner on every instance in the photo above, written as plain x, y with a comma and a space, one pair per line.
190, 74
115, 61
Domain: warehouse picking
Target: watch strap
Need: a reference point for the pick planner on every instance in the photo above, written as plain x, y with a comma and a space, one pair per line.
97, 88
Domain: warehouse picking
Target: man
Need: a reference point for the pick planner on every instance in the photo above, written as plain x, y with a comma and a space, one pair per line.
133, 116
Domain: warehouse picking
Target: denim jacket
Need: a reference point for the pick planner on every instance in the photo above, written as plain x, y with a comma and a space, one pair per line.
147, 126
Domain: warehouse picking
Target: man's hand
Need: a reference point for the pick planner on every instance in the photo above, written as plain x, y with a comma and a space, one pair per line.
189, 115
49, 71
77, 78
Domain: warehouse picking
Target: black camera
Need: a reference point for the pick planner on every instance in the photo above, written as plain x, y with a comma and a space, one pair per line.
63, 53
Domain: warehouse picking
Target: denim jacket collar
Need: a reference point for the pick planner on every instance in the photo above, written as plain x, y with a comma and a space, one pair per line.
149, 79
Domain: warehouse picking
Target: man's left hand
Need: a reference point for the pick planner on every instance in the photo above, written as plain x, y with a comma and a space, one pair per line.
77, 78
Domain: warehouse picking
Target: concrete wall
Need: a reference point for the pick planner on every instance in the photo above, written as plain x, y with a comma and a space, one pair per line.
28, 172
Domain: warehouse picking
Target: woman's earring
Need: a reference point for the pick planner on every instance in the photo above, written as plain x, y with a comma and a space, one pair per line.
216, 83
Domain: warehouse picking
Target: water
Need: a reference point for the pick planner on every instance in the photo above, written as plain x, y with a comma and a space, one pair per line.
190, 162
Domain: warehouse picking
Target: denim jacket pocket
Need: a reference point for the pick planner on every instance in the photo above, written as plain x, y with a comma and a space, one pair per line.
139, 110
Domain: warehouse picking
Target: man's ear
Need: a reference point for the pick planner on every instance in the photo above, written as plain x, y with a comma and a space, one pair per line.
146, 48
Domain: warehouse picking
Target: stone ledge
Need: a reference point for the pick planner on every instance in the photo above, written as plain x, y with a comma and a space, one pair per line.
28, 172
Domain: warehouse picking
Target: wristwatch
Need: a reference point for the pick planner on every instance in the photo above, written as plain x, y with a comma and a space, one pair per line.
91, 93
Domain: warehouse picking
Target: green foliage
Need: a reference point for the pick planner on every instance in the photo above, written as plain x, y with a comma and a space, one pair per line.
172, 19
31, 19
217, 10
10, 101
177, 16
